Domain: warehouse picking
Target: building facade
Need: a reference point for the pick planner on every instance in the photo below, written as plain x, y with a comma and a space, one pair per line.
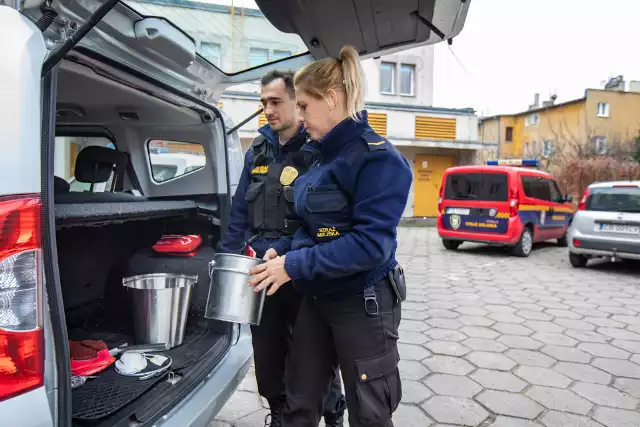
399, 89
605, 122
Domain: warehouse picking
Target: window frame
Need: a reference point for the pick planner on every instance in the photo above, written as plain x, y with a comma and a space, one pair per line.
253, 48
606, 110
601, 141
211, 43
411, 67
392, 67
508, 134
547, 148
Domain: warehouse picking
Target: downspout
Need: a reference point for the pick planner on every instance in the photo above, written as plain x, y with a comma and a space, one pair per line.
499, 143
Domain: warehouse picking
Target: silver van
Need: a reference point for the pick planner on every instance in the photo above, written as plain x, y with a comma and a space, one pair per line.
94, 93
607, 223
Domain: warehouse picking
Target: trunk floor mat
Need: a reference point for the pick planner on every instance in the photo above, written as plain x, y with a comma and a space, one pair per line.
108, 393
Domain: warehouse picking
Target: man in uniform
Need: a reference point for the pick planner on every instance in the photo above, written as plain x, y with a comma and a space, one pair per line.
262, 212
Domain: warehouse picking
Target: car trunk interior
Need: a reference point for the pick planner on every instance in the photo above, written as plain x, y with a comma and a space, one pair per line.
105, 237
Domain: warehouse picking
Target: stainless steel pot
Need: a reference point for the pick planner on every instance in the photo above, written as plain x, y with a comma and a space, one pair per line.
230, 297
160, 306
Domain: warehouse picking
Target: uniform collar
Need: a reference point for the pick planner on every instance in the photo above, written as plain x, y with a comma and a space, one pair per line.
342, 133
272, 136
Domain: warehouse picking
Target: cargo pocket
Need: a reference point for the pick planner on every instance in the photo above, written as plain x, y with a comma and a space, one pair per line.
255, 204
329, 214
378, 389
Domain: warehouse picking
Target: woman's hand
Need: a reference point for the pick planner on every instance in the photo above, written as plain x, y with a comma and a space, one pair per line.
270, 254
269, 274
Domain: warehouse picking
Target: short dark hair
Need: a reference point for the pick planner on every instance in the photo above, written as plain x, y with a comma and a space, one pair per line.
286, 76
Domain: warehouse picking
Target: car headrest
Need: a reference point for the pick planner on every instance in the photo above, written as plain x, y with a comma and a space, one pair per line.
60, 185
95, 164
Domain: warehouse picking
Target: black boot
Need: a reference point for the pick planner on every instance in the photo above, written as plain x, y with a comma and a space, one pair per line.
274, 418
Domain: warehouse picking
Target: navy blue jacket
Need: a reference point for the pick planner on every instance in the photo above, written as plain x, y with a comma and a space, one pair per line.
239, 231
351, 201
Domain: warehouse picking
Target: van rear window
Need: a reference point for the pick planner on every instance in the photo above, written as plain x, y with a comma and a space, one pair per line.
490, 187
614, 199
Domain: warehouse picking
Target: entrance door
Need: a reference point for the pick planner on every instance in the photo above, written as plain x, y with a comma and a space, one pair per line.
429, 170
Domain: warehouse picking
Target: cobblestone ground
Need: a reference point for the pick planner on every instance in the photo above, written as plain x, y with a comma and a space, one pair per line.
492, 340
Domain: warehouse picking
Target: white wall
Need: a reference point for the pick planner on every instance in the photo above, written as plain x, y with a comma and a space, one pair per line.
422, 58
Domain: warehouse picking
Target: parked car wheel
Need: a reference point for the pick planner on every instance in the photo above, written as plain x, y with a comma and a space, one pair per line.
451, 245
525, 244
563, 242
578, 261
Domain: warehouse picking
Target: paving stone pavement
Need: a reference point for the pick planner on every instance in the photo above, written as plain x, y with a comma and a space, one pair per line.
491, 340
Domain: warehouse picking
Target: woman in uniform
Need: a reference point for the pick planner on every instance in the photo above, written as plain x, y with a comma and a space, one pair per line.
343, 258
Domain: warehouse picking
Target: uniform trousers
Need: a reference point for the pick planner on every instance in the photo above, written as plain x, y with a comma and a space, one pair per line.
340, 333
271, 345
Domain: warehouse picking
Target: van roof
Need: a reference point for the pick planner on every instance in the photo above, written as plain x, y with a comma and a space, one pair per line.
494, 169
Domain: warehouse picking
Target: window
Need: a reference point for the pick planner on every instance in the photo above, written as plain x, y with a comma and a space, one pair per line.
258, 56
547, 148
556, 194
534, 148
387, 77
536, 187
599, 145
532, 119
172, 159
211, 52
67, 149
614, 199
508, 134
527, 149
477, 186
407, 79
280, 54
603, 109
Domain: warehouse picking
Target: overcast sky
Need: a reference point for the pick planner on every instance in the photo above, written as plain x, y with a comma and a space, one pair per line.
514, 48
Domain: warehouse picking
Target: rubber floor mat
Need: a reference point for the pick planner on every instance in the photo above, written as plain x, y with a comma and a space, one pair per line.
104, 395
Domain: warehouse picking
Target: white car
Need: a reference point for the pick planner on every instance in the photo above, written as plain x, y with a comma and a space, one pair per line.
607, 223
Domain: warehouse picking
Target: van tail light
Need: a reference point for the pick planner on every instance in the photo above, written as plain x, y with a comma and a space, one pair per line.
21, 281
514, 203
441, 199
583, 203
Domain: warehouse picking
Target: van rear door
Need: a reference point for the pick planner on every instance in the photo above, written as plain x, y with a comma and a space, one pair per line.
476, 202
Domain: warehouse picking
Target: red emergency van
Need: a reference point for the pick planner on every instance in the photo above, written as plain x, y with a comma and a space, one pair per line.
507, 203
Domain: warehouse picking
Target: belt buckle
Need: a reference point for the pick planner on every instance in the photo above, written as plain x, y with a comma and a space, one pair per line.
375, 305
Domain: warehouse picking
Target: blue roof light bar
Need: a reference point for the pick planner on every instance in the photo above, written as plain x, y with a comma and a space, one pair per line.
514, 162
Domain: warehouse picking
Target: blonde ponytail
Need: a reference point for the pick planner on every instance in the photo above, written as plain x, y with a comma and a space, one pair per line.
353, 80
344, 73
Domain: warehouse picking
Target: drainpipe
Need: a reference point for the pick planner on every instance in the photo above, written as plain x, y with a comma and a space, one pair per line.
499, 127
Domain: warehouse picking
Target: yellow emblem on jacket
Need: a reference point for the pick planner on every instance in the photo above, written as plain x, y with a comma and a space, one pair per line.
328, 232
260, 170
288, 175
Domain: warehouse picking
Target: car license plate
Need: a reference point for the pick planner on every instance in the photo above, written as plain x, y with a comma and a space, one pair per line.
458, 211
618, 228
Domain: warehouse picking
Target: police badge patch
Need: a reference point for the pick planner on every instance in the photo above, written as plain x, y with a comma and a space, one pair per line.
455, 221
288, 175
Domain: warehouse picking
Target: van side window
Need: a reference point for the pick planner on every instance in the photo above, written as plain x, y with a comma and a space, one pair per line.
556, 194
66, 153
172, 159
536, 187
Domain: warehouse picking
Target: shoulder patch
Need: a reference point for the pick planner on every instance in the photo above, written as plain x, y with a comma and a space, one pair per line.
374, 141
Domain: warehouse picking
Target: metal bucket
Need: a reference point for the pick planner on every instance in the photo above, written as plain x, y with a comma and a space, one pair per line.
160, 306
230, 297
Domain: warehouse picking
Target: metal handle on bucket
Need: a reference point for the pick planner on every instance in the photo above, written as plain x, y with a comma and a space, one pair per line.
212, 265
